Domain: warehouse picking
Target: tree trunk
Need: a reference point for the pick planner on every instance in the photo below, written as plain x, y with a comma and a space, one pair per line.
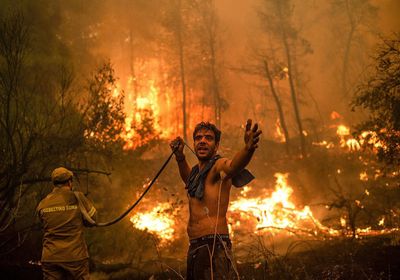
182, 70
291, 83
278, 106
211, 27
132, 64
346, 58
215, 85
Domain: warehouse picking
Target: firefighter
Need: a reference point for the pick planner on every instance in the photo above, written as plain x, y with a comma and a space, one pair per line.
64, 254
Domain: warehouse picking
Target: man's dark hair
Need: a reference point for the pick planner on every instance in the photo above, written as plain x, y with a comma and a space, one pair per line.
208, 126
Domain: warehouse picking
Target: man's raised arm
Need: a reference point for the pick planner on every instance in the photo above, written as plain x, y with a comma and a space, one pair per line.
177, 145
243, 157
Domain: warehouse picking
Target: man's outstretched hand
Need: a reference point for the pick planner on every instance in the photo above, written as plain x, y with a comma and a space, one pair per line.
251, 136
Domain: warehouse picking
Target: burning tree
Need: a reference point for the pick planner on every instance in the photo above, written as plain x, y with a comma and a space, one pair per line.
176, 25
104, 113
276, 18
209, 43
380, 96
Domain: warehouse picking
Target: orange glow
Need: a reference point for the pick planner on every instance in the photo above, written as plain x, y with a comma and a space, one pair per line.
353, 145
158, 221
145, 117
343, 130
278, 211
370, 138
343, 221
328, 145
335, 115
153, 107
345, 140
278, 133
381, 222
364, 176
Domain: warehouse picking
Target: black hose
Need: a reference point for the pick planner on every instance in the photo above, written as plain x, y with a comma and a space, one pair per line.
140, 198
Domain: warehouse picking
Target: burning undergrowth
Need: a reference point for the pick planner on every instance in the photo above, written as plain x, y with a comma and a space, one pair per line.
262, 210
275, 210
336, 193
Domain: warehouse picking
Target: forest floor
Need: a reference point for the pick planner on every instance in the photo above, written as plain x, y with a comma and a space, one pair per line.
371, 258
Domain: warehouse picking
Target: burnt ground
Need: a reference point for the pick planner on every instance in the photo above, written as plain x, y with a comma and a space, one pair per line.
372, 258
375, 258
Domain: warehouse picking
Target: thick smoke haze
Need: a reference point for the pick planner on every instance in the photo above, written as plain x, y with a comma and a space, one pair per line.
101, 87
137, 32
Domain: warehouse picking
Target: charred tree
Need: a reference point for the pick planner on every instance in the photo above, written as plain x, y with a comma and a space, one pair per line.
215, 80
209, 39
132, 63
278, 106
293, 93
175, 24
276, 18
179, 35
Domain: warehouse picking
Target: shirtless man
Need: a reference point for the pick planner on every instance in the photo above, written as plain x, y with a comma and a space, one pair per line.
208, 184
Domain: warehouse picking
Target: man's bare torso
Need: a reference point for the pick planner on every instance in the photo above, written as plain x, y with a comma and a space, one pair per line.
208, 215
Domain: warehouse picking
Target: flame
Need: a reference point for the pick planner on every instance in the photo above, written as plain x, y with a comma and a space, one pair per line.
154, 108
343, 130
335, 115
352, 144
364, 177
346, 141
324, 143
359, 204
278, 133
278, 212
158, 221
144, 119
343, 221
371, 138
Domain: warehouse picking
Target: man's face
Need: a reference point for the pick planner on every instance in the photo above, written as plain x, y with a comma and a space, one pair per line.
204, 144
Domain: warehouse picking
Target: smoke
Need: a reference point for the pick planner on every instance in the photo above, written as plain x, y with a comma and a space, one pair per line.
132, 34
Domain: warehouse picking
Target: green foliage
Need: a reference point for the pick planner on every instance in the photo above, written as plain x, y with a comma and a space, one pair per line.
42, 119
145, 128
40, 125
380, 96
104, 114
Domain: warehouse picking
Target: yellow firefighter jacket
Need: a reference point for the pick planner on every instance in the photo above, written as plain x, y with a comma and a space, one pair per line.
63, 225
